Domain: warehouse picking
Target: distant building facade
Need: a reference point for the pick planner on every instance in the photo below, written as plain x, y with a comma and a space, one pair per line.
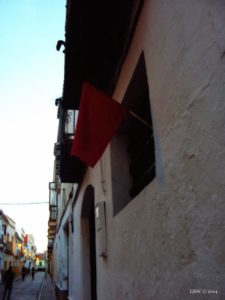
3, 226
16, 247
10, 244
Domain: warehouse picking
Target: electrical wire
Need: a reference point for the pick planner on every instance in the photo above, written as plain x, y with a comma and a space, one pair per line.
24, 203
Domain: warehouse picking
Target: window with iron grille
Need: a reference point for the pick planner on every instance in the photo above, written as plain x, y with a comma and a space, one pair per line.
133, 148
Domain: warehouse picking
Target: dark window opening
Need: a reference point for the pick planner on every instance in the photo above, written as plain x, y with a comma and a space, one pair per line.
133, 148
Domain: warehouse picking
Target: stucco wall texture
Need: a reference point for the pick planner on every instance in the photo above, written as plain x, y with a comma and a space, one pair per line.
170, 239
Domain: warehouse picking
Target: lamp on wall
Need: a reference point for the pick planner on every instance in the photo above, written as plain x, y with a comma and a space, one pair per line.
67, 120
69, 117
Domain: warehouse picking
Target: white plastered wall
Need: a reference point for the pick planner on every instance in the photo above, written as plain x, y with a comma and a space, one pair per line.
170, 238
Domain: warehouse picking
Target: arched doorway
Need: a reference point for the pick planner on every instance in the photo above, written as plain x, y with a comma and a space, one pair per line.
89, 278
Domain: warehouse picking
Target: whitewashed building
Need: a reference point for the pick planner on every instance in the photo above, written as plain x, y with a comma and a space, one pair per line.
3, 227
9, 244
147, 221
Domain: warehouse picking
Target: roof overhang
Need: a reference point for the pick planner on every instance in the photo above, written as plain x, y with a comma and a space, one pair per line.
98, 34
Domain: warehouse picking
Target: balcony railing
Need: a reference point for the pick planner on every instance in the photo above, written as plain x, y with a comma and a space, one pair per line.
18, 253
52, 224
50, 244
52, 198
9, 247
69, 168
53, 211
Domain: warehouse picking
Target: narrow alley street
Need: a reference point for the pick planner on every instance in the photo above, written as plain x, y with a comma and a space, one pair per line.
38, 289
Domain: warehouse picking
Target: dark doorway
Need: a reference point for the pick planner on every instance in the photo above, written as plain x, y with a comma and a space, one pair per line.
89, 244
93, 253
66, 237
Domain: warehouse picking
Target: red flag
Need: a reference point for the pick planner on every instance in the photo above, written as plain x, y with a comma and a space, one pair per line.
99, 118
25, 240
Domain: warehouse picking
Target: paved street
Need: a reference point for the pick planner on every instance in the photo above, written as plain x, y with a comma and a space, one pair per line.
38, 289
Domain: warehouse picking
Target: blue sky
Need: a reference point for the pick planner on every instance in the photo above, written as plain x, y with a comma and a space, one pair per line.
31, 78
